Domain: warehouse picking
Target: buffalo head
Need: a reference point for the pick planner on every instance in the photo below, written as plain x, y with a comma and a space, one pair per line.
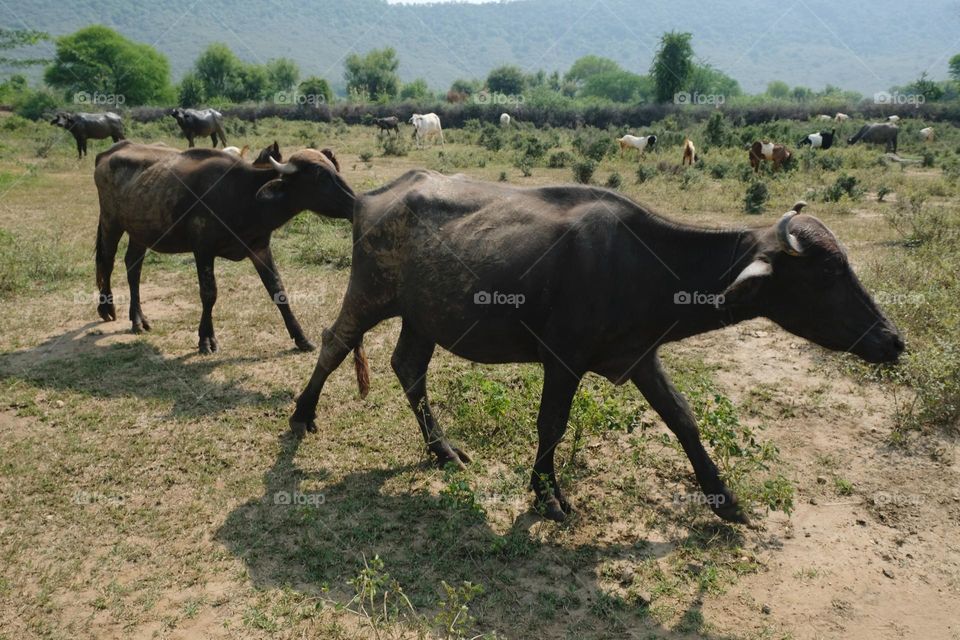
801, 279
310, 180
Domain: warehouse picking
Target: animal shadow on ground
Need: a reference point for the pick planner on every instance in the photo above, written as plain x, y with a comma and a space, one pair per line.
311, 534
76, 361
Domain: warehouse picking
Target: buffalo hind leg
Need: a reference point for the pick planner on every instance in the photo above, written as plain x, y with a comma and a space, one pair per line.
559, 387
410, 360
208, 297
336, 342
213, 136
267, 269
653, 383
106, 252
134, 263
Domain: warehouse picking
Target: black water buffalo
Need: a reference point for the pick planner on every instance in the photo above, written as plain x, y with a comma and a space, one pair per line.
390, 123
877, 133
580, 279
87, 126
198, 123
212, 204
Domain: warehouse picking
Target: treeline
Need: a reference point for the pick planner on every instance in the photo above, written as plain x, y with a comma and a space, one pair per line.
97, 68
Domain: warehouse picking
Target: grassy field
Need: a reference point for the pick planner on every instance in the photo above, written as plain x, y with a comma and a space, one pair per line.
150, 492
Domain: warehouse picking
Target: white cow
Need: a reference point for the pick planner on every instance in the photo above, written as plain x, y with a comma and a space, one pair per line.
426, 126
824, 116
893, 119
641, 144
926, 134
504, 119
841, 117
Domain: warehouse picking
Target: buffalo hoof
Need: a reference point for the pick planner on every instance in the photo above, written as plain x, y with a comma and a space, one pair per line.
305, 345
448, 454
732, 513
301, 428
551, 509
107, 311
208, 346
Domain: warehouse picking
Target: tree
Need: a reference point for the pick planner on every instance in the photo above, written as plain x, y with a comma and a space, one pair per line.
672, 65
16, 38
954, 66
706, 80
618, 86
191, 92
466, 87
587, 66
373, 74
416, 90
282, 74
778, 89
217, 69
250, 83
99, 60
926, 87
316, 89
507, 80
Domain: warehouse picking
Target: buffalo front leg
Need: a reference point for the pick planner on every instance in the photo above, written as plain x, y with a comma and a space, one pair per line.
336, 342
208, 297
134, 263
559, 387
410, 360
653, 383
267, 269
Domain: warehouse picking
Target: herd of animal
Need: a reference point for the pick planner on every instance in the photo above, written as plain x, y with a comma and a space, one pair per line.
592, 275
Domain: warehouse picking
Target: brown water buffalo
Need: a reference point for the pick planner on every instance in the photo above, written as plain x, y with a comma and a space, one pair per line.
209, 203
90, 126
580, 279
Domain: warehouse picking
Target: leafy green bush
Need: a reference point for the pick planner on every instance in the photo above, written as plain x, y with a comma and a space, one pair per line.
559, 159
756, 196
845, 185
583, 171
646, 172
614, 181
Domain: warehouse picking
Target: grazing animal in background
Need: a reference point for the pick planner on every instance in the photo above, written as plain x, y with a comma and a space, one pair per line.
821, 140
205, 202
497, 274
236, 151
927, 134
426, 126
640, 143
877, 133
390, 123
893, 119
504, 119
689, 152
199, 123
90, 126
776, 153
824, 117
841, 117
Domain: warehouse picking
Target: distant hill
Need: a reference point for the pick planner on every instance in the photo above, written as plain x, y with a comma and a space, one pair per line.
860, 45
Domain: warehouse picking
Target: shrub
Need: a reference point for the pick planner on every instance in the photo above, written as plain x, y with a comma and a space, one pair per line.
927, 158
715, 133
583, 170
844, 185
559, 159
594, 144
393, 145
756, 196
719, 170
646, 172
614, 181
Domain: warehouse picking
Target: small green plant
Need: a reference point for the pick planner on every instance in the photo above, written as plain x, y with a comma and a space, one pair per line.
844, 487
502, 177
845, 185
883, 192
719, 170
756, 196
715, 133
927, 158
646, 172
454, 617
614, 181
366, 156
583, 171
559, 159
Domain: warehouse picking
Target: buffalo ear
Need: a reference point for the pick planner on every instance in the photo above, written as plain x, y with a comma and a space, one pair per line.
747, 284
272, 192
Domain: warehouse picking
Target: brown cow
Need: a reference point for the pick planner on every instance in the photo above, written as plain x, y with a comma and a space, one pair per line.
689, 152
762, 150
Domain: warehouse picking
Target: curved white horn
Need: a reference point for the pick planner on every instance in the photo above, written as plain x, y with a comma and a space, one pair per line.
788, 242
283, 168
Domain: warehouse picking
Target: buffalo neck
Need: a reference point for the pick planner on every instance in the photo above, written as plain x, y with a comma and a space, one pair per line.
701, 264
